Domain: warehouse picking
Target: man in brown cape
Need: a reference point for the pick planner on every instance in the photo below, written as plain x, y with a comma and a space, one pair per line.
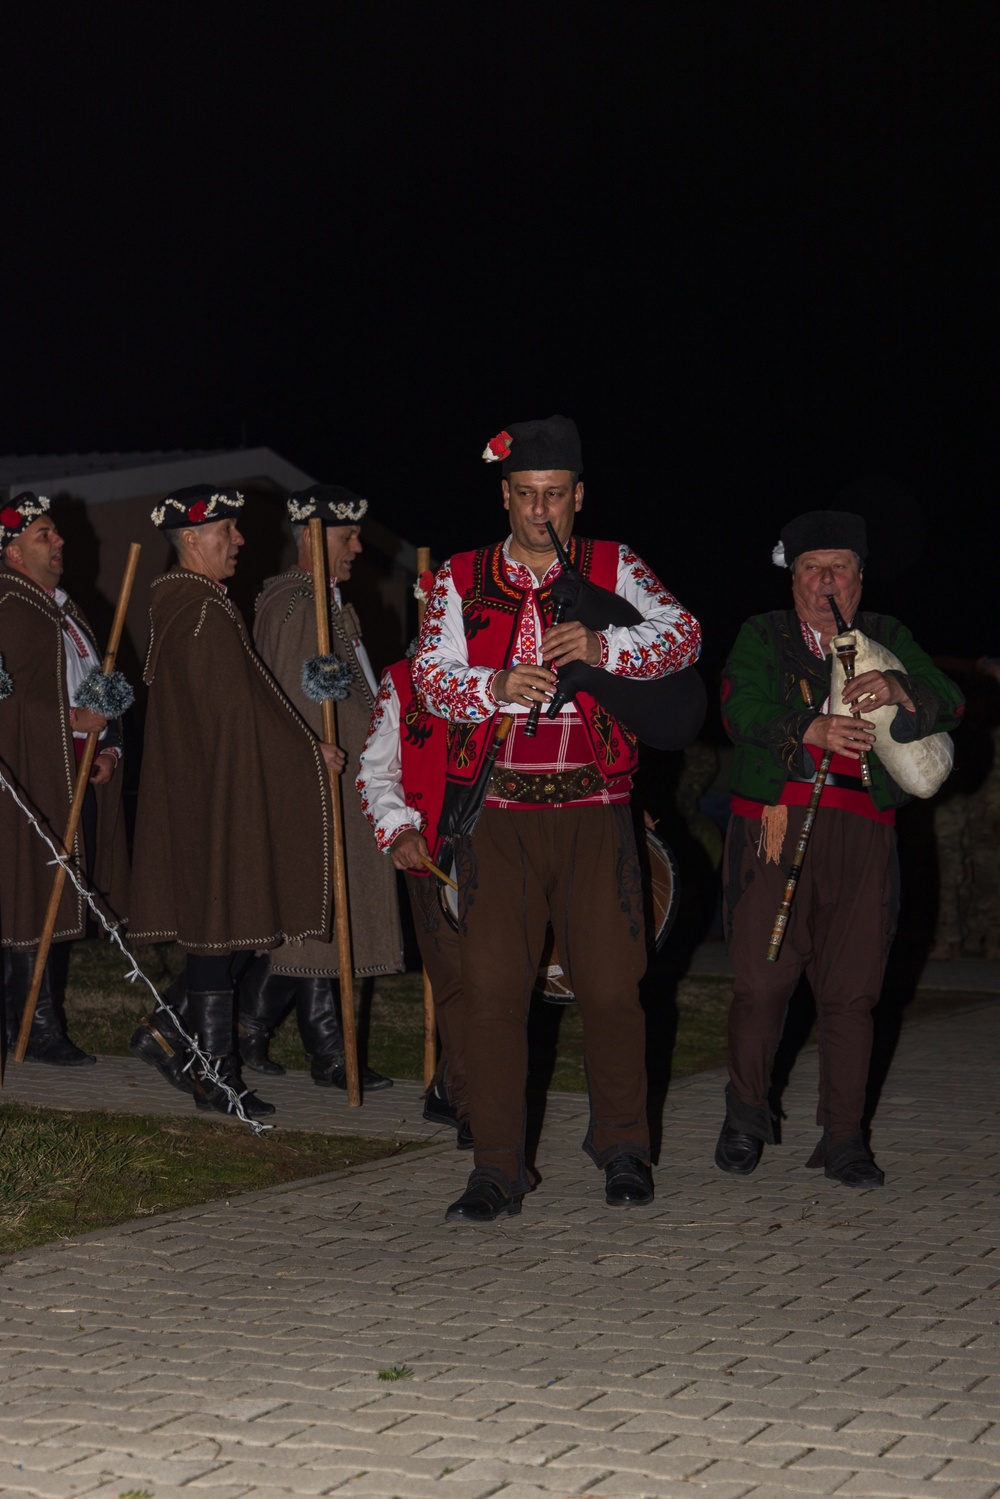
285, 636
233, 840
49, 650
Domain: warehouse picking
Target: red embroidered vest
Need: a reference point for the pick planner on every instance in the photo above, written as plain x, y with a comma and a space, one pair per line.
491, 612
423, 754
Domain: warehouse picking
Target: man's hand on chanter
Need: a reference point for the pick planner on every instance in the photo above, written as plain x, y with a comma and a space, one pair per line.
875, 689
525, 684
843, 735
571, 642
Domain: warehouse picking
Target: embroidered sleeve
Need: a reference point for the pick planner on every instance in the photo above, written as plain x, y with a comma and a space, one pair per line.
449, 686
380, 776
668, 638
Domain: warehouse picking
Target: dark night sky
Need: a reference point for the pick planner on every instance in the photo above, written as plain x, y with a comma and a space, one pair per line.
747, 246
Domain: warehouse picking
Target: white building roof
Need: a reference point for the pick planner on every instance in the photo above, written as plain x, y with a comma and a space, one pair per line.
95, 477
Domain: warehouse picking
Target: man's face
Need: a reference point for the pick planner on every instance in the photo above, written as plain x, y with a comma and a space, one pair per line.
343, 544
534, 496
816, 574
213, 548
38, 553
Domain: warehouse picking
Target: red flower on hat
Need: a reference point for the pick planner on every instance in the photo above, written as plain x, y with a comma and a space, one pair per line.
10, 518
198, 512
498, 447
426, 582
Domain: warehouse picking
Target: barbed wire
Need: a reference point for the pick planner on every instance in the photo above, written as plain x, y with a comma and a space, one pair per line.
135, 972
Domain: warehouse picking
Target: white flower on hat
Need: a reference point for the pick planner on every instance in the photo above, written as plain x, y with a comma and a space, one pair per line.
778, 555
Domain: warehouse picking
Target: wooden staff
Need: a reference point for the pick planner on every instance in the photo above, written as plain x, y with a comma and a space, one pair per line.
791, 884
75, 811
430, 1017
342, 913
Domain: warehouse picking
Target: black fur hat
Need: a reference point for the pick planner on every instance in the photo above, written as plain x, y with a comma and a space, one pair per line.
821, 531
550, 443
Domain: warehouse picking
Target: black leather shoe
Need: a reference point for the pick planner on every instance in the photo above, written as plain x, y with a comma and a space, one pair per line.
481, 1203
851, 1164
253, 1050
737, 1152
57, 1051
169, 1057
438, 1111
627, 1183
465, 1140
208, 1095
328, 1072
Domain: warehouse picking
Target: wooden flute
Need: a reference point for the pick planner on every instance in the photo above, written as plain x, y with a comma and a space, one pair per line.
795, 869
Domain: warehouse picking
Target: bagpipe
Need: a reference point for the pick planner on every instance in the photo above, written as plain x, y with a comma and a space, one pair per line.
920, 767
666, 713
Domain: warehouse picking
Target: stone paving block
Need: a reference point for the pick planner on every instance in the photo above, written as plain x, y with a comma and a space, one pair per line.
623, 1486
93, 1436
877, 1485
18, 1481
44, 1457
402, 1486
789, 1481
320, 1436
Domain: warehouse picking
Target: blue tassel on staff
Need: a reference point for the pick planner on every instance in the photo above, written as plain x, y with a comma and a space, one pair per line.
104, 692
326, 677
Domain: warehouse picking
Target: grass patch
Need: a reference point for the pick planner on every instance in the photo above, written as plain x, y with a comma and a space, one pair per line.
103, 1011
67, 1174
687, 1020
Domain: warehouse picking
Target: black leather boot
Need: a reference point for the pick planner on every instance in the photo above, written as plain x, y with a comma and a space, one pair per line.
319, 1027
262, 997
48, 1041
212, 1019
158, 1041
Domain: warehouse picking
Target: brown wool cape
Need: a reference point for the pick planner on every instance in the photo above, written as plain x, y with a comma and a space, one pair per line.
233, 839
36, 756
285, 635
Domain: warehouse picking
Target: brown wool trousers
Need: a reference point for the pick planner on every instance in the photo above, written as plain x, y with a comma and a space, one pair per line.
841, 927
438, 943
576, 867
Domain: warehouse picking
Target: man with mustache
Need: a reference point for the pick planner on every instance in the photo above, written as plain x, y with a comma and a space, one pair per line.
776, 709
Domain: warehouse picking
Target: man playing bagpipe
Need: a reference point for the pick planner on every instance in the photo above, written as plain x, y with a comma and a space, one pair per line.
50, 652
554, 842
821, 764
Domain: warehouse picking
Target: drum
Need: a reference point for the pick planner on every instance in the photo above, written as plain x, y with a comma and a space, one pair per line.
660, 885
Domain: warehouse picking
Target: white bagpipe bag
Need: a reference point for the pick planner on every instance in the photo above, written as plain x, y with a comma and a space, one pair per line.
919, 767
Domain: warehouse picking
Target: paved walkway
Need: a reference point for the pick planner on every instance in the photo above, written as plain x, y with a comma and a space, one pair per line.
779, 1336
